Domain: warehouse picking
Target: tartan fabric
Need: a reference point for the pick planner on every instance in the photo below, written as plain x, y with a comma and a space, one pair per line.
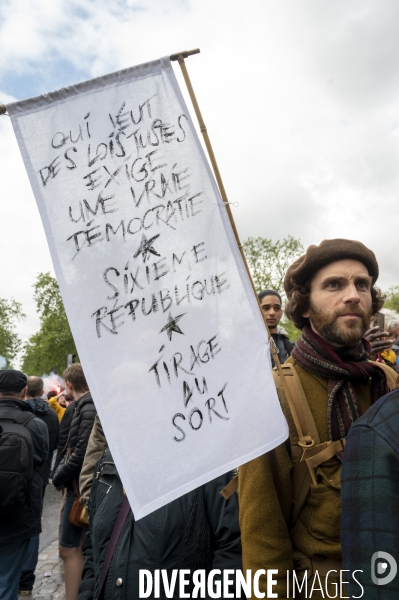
342, 368
370, 496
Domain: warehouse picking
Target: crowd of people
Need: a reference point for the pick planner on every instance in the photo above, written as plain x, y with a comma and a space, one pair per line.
320, 504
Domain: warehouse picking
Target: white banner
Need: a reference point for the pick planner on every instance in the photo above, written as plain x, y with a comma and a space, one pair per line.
165, 320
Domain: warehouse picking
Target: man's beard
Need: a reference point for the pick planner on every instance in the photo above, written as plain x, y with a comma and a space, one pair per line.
342, 333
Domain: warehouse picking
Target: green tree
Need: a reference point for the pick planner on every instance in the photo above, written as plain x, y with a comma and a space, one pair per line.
10, 343
293, 332
268, 261
392, 298
50, 345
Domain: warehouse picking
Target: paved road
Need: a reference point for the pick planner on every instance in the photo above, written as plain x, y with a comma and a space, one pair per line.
49, 583
50, 517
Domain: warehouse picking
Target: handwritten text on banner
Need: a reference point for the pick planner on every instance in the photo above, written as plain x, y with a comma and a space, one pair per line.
165, 321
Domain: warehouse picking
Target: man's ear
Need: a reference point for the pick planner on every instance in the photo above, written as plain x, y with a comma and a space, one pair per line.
24, 392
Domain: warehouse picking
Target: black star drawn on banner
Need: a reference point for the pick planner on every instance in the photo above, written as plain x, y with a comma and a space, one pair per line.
172, 326
146, 247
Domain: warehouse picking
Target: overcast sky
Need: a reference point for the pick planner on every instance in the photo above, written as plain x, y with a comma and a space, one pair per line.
300, 97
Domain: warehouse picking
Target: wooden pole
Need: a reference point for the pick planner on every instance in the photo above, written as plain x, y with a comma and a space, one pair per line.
180, 56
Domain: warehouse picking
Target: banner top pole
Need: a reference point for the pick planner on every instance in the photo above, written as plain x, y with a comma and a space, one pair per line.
179, 56
184, 54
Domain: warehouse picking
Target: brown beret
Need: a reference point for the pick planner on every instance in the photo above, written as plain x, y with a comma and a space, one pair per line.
329, 251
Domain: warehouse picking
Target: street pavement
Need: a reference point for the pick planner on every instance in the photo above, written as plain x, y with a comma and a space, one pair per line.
49, 583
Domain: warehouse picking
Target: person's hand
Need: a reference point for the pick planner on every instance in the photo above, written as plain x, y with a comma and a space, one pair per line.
379, 340
56, 481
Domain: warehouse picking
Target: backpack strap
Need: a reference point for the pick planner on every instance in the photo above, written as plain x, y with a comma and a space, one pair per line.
293, 401
305, 456
17, 415
230, 488
23, 418
391, 374
116, 532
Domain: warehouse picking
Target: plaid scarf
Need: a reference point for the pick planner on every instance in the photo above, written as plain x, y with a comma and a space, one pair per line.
342, 368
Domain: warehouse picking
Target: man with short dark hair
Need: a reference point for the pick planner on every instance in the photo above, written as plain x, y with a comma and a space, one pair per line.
42, 410
35, 387
290, 509
17, 528
272, 310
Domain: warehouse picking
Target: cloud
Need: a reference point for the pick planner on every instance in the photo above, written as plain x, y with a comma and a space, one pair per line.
352, 47
80, 38
23, 247
300, 101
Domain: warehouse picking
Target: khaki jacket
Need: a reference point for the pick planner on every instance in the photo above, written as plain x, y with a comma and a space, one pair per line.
268, 542
95, 448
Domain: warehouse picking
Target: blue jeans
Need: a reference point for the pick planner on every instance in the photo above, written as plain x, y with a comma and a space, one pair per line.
12, 558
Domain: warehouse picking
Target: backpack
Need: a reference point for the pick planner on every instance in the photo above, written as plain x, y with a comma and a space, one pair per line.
307, 452
16, 461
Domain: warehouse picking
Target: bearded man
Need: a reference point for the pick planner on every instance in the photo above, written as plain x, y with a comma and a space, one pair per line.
331, 298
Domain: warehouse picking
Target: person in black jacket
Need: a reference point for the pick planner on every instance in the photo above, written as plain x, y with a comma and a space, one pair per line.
67, 475
42, 410
17, 529
199, 530
271, 305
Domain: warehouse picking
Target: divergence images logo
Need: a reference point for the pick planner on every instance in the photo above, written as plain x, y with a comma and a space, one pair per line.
379, 567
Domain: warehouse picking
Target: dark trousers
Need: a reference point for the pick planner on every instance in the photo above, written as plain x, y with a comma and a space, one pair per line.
12, 558
27, 579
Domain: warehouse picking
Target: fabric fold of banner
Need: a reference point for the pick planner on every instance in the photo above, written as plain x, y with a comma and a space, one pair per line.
163, 314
